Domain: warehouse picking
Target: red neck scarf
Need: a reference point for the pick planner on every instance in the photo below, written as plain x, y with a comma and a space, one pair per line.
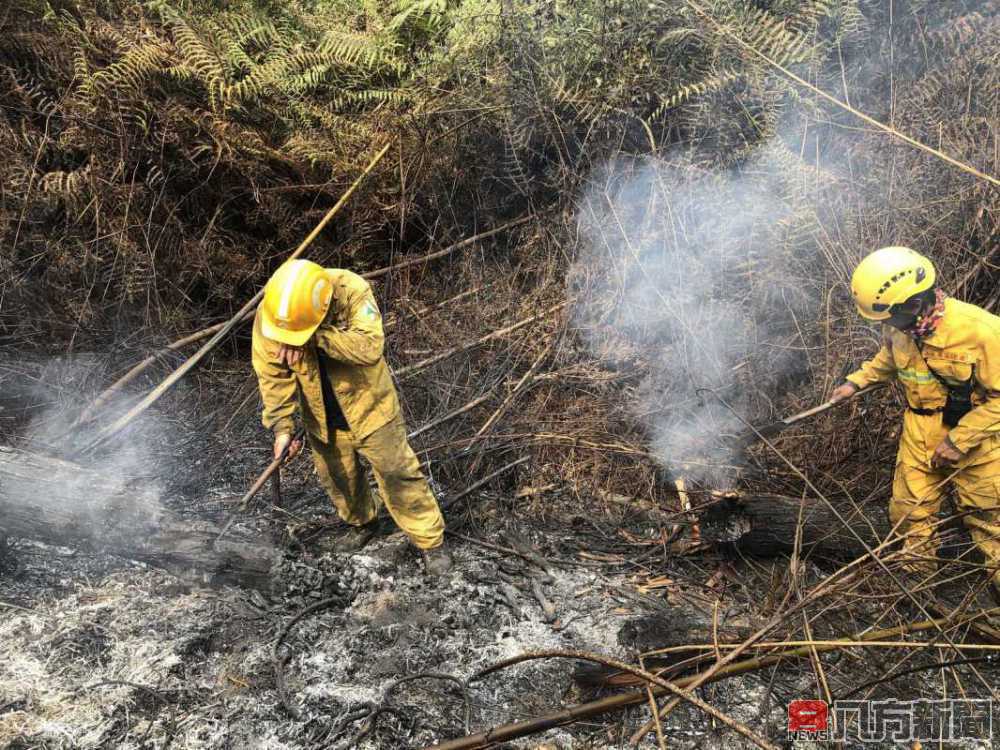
928, 323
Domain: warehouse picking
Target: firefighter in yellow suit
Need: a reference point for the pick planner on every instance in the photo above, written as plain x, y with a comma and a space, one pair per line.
946, 354
317, 347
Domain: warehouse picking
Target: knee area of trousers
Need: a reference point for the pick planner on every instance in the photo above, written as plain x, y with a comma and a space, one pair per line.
903, 507
399, 469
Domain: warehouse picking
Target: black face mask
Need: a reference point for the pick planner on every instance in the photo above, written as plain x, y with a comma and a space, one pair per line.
903, 321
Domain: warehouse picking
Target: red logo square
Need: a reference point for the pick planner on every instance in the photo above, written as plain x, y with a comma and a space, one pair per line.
807, 716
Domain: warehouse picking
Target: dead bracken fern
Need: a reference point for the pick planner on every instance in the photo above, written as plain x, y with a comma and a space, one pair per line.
801, 39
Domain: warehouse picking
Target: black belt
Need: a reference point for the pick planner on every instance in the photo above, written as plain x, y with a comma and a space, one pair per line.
926, 412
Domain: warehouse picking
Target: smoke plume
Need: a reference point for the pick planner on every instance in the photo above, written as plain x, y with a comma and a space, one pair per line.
694, 278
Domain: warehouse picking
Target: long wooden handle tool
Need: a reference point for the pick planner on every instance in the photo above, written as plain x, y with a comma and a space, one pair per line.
272, 468
774, 428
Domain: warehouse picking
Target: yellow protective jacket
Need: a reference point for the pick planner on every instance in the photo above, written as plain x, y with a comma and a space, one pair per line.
352, 338
965, 345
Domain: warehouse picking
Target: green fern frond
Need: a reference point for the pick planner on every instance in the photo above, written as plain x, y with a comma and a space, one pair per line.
773, 37
308, 80
360, 51
250, 31
316, 151
235, 58
811, 13
81, 68
260, 79
429, 16
369, 97
311, 115
130, 73
183, 75
199, 56
702, 86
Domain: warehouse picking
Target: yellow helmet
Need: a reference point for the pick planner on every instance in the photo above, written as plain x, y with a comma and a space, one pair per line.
296, 299
888, 277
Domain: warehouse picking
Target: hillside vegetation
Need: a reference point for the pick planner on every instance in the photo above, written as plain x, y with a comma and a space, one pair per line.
160, 159
681, 190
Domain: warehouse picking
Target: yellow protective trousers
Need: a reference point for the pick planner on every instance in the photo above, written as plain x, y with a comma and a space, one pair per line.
402, 485
917, 491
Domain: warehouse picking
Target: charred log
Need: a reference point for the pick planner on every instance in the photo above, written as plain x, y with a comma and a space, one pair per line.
765, 526
58, 502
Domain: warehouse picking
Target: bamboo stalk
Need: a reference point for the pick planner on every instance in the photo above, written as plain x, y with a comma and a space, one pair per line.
87, 414
449, 416
508, 732
824, 644
527, 377
846, 107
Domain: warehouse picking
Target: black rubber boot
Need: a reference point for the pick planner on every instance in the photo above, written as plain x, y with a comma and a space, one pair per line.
346, 542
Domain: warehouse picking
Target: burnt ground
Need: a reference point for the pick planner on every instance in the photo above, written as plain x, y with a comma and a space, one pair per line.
74, 621
100, 652
97, 651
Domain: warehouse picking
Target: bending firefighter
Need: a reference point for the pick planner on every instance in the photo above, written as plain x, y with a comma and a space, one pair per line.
317, 345
946, 354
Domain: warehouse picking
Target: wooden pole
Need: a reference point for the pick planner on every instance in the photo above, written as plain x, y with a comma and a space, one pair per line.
154, 395
509, 732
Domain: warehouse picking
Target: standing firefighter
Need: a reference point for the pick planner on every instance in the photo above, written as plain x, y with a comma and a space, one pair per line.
317, 343
946, 353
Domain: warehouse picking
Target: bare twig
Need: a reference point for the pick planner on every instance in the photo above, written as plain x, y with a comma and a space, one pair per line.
448, 250
485, 480
423, 364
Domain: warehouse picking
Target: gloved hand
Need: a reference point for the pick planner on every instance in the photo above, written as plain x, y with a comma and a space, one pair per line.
283, 439
946, 455
847, 390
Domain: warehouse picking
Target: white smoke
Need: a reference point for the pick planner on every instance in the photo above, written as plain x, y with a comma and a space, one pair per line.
100, 491
682, 273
